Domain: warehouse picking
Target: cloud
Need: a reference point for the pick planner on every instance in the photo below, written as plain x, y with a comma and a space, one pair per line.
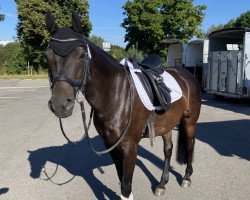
4, 42
10, 15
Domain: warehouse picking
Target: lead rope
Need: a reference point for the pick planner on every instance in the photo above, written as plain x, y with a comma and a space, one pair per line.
88, 138
84, 78
86, 128
84, 119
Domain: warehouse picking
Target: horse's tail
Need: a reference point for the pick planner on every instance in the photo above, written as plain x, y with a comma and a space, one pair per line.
182, 151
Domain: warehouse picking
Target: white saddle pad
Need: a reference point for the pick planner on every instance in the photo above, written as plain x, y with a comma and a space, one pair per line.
169, 80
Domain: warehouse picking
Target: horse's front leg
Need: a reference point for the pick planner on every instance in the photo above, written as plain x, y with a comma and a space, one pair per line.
167, 147
129, 153
116, 155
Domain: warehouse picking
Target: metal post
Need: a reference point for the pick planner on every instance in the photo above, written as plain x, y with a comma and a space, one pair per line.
28, 67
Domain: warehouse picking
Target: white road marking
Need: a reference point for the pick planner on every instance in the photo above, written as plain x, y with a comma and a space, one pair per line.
10, 97
21, 90
23, 87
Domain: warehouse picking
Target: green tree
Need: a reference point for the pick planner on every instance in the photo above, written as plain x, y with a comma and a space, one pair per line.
117, 52
2, 58
243, 20
97, 40
12, 59
2, 16
201, 34
135, 54
31, 28
229, 24
215, 28
148, 22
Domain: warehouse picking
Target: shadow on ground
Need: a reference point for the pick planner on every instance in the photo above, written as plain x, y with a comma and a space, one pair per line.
228, 138
235, 105
79, 160
3, 190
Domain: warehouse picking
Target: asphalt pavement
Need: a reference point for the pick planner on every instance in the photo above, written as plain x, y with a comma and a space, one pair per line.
38, 164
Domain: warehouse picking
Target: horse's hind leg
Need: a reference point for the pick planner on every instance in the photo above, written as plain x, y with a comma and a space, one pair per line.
186, 148
167, 147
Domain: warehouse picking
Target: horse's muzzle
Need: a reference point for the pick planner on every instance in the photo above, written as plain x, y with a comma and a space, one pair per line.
62, 108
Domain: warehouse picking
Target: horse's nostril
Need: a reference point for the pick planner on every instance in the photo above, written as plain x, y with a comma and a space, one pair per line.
51, 107
69, 103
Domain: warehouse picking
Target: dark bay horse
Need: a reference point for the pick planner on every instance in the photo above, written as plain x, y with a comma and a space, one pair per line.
77, 64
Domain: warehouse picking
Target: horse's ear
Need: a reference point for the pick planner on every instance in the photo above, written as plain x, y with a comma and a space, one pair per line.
50, 23
76, 23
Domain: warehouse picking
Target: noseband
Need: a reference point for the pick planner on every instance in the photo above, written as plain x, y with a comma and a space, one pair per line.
77, 85
80, 86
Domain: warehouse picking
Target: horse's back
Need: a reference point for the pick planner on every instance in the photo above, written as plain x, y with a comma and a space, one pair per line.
190, 88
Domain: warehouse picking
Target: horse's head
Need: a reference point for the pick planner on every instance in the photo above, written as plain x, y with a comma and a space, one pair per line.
67, 56
36, 163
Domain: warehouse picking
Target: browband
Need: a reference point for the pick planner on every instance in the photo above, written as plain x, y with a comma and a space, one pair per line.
68, 40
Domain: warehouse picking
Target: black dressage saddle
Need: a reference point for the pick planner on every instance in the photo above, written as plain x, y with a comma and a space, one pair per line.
153, 62
151, 69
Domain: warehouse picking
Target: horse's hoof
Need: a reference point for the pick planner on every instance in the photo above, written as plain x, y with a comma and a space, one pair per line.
131, 197
159, 191
185, 183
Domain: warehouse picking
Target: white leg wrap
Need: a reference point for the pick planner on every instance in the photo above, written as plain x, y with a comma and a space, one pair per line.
131, 197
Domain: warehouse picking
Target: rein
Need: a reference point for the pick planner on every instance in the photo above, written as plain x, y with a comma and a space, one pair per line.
121, 137
80, 86
87, 126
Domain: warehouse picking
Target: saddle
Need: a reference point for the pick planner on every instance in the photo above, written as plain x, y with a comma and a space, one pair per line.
158, 93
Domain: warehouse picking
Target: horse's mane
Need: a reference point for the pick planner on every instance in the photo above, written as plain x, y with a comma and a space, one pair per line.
103, 53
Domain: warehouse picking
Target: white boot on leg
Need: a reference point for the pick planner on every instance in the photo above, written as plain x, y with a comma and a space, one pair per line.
131, 197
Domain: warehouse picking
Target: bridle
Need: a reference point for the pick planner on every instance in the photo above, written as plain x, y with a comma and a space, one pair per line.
77, 85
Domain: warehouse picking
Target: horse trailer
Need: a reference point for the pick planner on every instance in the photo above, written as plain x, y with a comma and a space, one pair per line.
192, 56
196, 58
228, 71
176, 52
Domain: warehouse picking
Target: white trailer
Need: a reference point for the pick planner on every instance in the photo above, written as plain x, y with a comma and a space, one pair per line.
196, 57
192, 56
228, 71
176, 51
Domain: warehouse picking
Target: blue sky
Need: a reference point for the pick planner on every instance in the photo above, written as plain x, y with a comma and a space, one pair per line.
106, 17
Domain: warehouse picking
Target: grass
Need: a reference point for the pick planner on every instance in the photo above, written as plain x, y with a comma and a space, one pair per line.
24, 76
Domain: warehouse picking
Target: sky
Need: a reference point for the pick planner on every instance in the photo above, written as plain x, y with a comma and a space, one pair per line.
106, 17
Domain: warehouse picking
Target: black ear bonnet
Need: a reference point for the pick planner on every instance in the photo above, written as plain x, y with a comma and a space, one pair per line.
65, 40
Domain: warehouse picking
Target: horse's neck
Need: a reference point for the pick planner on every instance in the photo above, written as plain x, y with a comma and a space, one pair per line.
102, 84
